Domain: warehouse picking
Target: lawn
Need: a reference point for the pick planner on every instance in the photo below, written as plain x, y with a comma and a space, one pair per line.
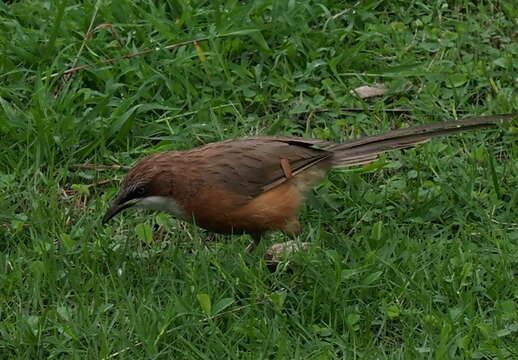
414, 256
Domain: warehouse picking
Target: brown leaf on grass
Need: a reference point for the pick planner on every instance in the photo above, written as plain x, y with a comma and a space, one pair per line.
199, 51
365, 92
283, 251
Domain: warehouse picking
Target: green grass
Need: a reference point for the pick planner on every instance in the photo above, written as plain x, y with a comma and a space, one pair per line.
417, 259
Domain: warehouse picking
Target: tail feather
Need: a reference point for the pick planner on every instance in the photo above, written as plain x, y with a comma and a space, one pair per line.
366, 149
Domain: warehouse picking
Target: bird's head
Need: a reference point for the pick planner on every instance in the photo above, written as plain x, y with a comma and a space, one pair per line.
147, 185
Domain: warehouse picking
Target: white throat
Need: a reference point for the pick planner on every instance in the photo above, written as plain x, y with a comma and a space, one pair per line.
162, 203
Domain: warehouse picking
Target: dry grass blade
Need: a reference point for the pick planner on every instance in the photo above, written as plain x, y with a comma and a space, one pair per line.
103, 167
115, 59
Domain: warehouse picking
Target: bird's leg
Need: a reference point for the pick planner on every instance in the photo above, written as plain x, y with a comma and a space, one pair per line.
256, 237
291, 228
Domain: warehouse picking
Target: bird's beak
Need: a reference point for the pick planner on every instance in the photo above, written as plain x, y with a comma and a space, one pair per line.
117, 206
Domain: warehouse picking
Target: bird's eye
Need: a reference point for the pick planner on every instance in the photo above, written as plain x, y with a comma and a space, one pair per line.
141, 190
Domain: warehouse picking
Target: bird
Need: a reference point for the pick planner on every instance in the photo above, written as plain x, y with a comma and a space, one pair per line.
253, 185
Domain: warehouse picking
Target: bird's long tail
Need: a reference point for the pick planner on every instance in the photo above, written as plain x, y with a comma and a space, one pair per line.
367, 149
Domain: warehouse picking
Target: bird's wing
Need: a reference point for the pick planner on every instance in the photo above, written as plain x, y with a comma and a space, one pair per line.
251, 166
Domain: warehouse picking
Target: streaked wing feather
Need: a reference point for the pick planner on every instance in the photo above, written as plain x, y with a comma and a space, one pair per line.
251, 166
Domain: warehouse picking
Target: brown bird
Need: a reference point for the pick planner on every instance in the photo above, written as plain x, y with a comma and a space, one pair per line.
256, 184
